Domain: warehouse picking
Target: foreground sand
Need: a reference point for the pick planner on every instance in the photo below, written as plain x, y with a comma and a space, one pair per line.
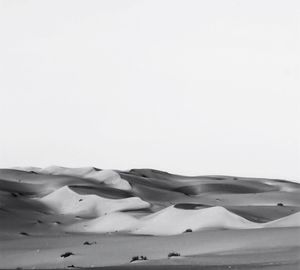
235, 223
274, 247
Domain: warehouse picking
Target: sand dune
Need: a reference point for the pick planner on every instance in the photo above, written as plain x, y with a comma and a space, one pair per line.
288, 221
66, 201
108, 177
142, 204
172, 221
114, 222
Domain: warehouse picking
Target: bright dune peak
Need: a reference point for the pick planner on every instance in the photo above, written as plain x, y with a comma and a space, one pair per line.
66, 201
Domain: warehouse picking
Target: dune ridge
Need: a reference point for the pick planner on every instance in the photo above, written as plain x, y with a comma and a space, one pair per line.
107, 177
66, 201
172, 221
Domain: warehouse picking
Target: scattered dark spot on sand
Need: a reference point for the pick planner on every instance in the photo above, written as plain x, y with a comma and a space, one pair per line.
39, 221
24, 233
67, 254
80, 200
280, 204
188, 230
14, 194
71, 266
57, 222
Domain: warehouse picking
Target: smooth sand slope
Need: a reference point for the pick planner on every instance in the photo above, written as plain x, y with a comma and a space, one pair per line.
45, 212
66, 201
172, 221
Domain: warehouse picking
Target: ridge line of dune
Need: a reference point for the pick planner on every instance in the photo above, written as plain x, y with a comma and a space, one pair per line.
172, 221
66, 201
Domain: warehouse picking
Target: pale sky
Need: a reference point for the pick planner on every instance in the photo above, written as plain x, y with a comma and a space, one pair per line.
191, 87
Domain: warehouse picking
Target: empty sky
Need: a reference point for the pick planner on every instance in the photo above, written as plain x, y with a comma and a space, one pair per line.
192, 87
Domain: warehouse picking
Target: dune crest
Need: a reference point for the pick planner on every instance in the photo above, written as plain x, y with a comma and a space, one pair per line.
66, 201
107, 177
173, 221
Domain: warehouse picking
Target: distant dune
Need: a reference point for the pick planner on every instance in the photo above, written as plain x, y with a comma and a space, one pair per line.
57, 201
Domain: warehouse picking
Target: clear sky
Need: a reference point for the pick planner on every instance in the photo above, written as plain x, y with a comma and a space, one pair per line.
191, 87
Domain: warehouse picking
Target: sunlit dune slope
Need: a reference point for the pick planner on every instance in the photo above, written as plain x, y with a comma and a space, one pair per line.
66, 201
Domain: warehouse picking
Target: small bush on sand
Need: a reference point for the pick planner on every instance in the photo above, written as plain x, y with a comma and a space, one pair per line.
188, 230
89, 243
279, 204
173, 254
138, 258
66, 254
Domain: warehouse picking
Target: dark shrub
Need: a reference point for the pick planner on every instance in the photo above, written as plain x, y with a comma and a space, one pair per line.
173, 254
280, 204
134, 258
188, 230
138, 258
89, 243
66, 254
